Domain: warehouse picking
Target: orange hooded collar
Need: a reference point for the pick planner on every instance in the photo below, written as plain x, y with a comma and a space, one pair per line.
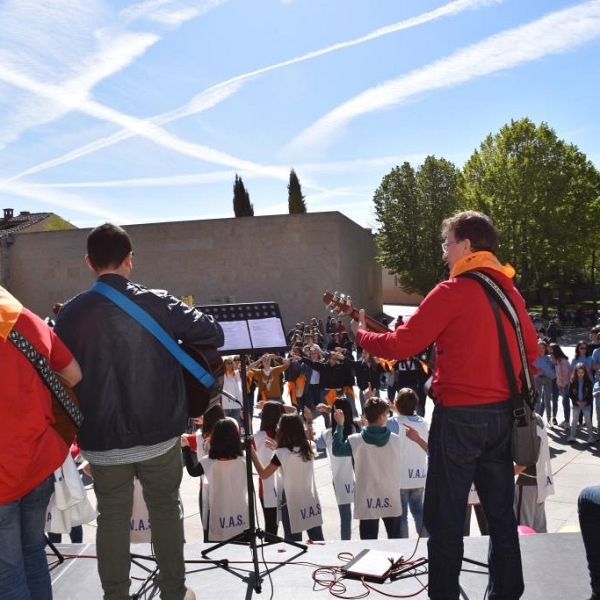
481, 260
10, 309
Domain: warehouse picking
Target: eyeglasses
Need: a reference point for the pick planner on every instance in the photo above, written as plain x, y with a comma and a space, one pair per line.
446, 245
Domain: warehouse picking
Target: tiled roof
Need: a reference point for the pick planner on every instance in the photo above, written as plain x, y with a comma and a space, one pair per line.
21, 221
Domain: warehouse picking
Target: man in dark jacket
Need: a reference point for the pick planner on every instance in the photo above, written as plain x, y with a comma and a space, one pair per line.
135, 409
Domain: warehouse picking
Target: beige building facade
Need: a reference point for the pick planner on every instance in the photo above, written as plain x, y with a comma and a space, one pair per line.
392, 293
288, 259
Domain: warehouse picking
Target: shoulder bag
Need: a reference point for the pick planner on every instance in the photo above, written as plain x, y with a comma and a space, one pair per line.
525, 443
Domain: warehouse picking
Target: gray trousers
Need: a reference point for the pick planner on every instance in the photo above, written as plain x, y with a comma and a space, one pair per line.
113, 485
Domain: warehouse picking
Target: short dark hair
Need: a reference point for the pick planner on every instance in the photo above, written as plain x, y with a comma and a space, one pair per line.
107, 246
374, 408
474, 226
406, 401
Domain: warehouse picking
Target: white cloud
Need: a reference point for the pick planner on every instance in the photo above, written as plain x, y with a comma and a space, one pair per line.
76, 43
307, 169
167, 181
169, 12
147, 129
223, 90
556, 33
54, 198
72, 43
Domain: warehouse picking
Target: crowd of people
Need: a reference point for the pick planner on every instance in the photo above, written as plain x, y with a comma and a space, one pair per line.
574, 382
370, 393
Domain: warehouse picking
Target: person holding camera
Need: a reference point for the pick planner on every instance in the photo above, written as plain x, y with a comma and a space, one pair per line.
269, 377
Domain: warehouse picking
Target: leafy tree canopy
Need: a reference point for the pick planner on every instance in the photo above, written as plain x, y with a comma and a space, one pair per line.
542, 195
410, 206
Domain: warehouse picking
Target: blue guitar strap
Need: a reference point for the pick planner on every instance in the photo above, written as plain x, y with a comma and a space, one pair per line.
146, 321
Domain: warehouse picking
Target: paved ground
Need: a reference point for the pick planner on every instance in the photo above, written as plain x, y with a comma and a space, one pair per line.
574, 468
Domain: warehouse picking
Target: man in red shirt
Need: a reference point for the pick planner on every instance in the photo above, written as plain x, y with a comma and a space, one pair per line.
30, 450
471, 425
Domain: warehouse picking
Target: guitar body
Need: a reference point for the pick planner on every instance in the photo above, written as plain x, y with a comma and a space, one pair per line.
200, 399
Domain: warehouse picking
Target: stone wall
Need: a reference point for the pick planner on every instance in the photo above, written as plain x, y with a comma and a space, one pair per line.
289, 259
392, 293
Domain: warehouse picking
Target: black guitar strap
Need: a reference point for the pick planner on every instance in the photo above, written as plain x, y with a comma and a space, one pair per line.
48, 377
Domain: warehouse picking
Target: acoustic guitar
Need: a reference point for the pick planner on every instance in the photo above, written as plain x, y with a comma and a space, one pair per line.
200, 399
62, 421
342, 305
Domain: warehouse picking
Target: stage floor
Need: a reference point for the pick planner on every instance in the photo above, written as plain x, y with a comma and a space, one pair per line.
554, 566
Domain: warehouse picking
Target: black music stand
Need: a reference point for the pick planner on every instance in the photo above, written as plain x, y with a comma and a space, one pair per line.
248, 328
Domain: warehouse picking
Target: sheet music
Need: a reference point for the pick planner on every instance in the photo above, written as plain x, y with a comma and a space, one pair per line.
267, 333
236, 335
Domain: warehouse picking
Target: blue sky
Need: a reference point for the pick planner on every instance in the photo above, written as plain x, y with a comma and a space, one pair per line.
140, 112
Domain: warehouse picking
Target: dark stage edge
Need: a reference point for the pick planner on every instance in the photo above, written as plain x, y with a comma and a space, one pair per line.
554, 565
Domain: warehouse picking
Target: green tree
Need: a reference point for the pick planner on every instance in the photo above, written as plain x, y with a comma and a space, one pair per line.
410, 206
542, 195
295, 198
242, 207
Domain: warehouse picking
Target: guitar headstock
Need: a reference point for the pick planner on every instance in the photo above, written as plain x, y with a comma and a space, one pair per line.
339, 303
342, 305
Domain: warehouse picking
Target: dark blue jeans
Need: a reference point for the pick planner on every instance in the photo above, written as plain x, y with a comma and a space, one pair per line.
589, 521
471, 444
23, 564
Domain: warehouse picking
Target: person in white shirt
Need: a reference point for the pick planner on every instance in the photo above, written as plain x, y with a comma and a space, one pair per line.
414, 459
301, 508
232, 384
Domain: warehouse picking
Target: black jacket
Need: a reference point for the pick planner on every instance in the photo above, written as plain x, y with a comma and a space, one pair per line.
132, 392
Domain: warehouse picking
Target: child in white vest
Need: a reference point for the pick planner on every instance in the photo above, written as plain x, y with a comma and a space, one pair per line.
377, 458
196, 445
268, 488
534, 484
342, 471
225, 470
301, 507
414, 458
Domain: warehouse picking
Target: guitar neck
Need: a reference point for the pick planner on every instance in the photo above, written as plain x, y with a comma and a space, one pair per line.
372, 324
341, 306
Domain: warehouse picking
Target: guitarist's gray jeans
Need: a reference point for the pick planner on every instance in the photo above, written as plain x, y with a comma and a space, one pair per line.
160, 478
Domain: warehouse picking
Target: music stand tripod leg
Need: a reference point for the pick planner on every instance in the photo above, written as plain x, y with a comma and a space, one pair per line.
55, 551
250, 535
